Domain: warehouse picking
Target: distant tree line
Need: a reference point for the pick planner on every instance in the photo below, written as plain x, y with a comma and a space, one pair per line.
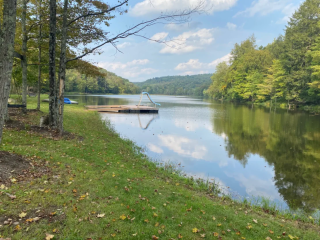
107, 82
177, 85
286, 70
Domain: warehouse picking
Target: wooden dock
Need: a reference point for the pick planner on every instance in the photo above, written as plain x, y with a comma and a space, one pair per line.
123, 108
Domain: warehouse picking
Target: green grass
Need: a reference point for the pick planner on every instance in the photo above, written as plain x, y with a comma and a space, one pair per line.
104, 174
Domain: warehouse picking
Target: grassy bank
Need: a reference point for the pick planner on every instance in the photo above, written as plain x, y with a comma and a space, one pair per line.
100, 187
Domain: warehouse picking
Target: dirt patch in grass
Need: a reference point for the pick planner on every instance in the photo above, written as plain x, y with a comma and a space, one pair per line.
20, 121
14, 166
10, 164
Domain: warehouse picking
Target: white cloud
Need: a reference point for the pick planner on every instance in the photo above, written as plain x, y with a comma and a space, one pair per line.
288, 11
263, 7
231, 26
182, 27
183, 146
159, 36
151, 7
195, 64
225, 58
124, 45
154, 148
130, 69
189, 41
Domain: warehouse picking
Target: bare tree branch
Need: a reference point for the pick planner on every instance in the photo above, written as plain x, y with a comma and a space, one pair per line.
98, 13
178, 17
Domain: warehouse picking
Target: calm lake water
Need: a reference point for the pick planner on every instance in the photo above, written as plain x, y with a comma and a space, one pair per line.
250, 151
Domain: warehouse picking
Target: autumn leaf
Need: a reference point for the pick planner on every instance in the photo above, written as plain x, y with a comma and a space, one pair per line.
113, 235
203, 212
155, 215
255, 220
195, 230
270, 231
238, 233
154, 237
180, 236
213, 218
203, 235
55, 230
157, 224
22, 215
146, 220
113, 175
223, 233
215, 234
219, 225
101, 215
264, 224
135, 234
249, 227
74, 190
17, 228
123, 217
268, 238
49, 236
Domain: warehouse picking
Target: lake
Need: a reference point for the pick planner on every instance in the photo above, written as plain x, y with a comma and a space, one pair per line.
249, 151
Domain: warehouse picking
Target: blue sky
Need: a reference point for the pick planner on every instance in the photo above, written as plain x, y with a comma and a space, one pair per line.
205, 41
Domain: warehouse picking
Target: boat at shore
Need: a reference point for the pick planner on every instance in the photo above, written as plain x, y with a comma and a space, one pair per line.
66, 101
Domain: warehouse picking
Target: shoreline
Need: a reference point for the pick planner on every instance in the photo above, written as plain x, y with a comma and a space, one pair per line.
100, 182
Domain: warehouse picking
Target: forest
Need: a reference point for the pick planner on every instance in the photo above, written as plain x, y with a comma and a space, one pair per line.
286, 70
108, 82
177, 85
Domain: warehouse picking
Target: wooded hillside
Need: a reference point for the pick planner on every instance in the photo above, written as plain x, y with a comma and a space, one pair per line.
177, 85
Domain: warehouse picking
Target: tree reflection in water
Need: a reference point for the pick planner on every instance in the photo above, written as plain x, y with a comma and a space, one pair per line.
290, 142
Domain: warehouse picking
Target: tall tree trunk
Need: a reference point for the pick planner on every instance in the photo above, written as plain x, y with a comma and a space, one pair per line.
52, 65
62, 67
39, 56
7, 32
24, 52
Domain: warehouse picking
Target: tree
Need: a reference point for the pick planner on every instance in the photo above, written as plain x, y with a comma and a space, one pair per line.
301, 33
7, 34
219, 82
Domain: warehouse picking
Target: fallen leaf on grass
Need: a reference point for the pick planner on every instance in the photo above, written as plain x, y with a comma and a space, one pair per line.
180, 236
113, 235
270, 231
17, 228
157, 224
135, 234
249, 227
264, 224
215, 234
154, 237
195, 230
22, 215
268, 238
101, 215
255, 220
219, 225
49, 236
203, 235
213, 218
13, 180
123, 217
155, 215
